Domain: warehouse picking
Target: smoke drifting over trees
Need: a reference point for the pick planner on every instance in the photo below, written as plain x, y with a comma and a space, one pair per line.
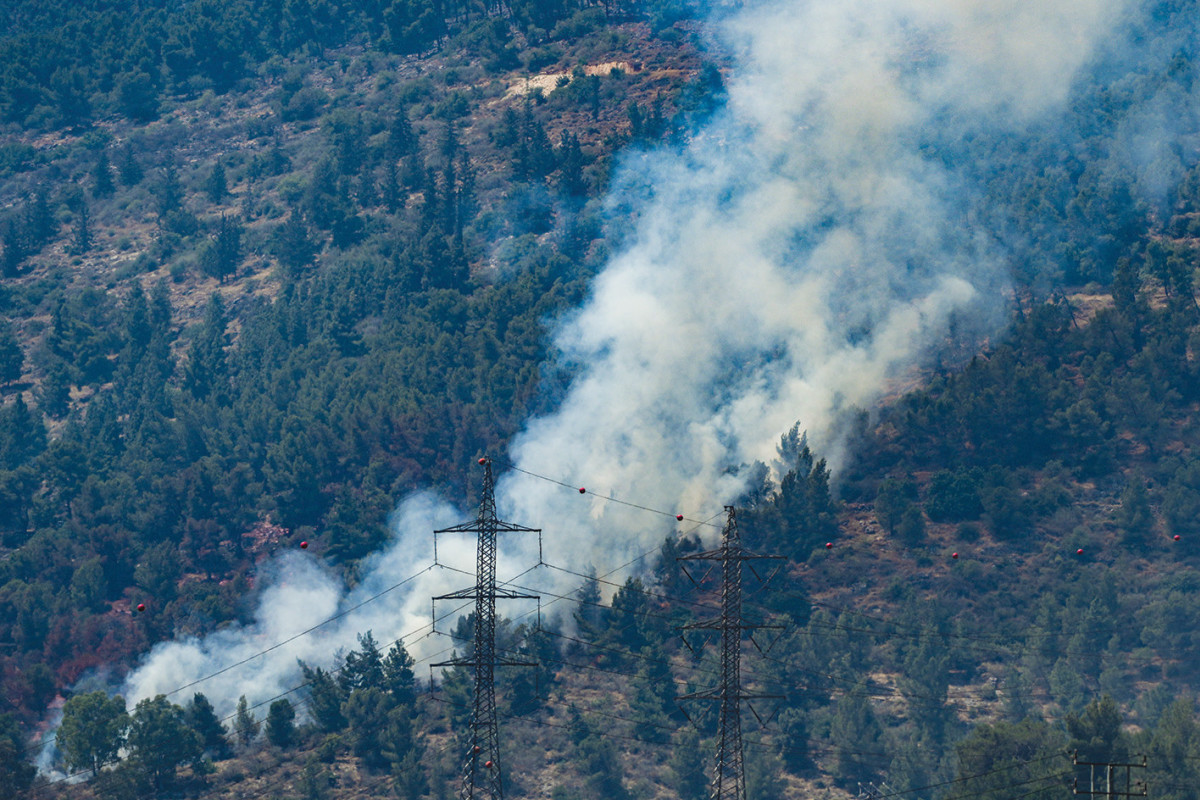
807, 247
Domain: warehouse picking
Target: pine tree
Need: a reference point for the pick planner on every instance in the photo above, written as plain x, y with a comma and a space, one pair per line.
366, 712
325, 698
392, 198
22, 434
15, 250
203, 720
314, 782
16, 774
1135, 518
129, 171
588, 614
169, 191
467, 203
408, 777
292, 244
206, 373
215, 187
12, 358
398, 677
364, 668
222, 255
689, 777
366, 191
244, 724
856, 734
401, 140
82, 241
570, 159
40, 225
102, 180
54, 397
281, 723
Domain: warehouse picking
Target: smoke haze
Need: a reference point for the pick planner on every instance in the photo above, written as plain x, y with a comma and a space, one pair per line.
800, 254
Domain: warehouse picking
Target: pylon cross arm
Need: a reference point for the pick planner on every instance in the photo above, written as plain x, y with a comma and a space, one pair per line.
731, 553
498, 527
472, 593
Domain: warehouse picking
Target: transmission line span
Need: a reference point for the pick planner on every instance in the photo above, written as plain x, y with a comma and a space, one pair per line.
729, 775
482, 775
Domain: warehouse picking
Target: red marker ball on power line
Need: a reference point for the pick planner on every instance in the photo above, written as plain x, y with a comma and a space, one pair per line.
487, 764
482, 461
304, 545
1079, 552
1177, 537
829, 545
582, 490
478, 748
141, 607
679, 517
954, 555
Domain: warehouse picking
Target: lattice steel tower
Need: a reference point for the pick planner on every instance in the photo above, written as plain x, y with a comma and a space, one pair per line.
729, 775
482, 776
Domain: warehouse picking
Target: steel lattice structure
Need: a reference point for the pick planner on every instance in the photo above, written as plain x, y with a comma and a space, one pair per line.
729, 775
482, 775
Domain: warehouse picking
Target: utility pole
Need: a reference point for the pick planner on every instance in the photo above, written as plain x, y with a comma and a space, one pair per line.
1110, 791
729, 775
482, 776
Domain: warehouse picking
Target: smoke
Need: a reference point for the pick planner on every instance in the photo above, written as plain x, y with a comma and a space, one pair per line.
802, 252
301, 593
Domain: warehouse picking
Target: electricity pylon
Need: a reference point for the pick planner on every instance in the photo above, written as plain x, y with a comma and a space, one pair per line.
1112, 789
482, 776
729, 774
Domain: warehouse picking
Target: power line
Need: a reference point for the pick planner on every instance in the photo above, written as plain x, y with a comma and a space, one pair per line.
291, 639
609, 498
925, 632
341, 614
432, 629
832, 678
430, 632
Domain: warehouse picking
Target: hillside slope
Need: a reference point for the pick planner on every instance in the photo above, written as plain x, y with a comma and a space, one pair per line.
266, 271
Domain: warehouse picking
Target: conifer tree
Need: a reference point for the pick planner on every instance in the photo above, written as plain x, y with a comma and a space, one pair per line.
16, 774
292, 244
102, 180
129, 170
391, 187
82, 241
206, 371
40, 225
15, 250
281, 723
222, 254
215, 186
203, 720
12, 358
244, 724
325, 698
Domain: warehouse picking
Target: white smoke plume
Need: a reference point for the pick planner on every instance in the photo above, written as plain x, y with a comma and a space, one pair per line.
800, 253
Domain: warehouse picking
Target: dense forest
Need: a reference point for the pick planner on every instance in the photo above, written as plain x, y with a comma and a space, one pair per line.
267, 266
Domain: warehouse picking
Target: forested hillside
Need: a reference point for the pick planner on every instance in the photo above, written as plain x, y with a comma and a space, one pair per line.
267, 267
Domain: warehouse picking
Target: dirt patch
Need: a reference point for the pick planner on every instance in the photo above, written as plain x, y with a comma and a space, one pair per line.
1084, 306
550, 81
